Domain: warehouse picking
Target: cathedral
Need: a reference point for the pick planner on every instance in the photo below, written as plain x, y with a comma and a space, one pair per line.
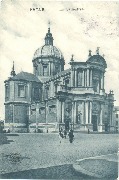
52, 97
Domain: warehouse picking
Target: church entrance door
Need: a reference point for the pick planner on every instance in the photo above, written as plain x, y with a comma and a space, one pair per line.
94, 122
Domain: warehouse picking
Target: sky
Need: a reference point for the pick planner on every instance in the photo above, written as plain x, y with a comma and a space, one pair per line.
76, 28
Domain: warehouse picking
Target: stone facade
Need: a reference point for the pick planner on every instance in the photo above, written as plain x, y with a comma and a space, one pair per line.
53, 97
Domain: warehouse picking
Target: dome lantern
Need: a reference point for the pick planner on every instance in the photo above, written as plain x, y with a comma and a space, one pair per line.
48, 38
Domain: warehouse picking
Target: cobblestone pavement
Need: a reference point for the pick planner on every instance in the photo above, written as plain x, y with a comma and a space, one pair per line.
28, 152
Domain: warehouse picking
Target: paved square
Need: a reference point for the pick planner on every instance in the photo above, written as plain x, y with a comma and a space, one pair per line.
24, 152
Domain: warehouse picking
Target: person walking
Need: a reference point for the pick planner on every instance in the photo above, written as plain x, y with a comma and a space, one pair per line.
71, 136
65, 133
60, 138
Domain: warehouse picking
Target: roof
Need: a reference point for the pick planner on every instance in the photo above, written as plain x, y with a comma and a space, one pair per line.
48, 50
62, 73
25, 76
97, 59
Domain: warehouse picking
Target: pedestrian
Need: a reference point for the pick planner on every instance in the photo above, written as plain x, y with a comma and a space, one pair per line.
60, 138
88, 131
71, 136
65, 133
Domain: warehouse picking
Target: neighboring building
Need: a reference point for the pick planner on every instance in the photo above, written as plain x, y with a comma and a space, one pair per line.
51, 95
116, 118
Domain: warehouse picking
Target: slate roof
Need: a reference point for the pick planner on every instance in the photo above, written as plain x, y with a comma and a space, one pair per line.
62, 73
25, 76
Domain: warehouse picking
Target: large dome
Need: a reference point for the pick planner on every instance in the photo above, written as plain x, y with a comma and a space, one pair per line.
48, 50
97, 59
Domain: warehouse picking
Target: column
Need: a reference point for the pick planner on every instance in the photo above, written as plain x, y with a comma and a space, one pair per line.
74, 112
49, 68
111, 110
91, 78
62, 112
98, 87
101, 117
46, 111
86, 111
58, 111
72, 118
90, 119
72, 77
83, 81
52, 89
75, 78
29, 117
83, 113
87, 77
101, 114
29, 113
13, 112
103, 80
37, 114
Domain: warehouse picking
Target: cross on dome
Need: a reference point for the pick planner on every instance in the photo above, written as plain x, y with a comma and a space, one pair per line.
49, 26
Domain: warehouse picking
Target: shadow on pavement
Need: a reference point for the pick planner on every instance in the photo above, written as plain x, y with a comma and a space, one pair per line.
4, 139
54, 172
12, 134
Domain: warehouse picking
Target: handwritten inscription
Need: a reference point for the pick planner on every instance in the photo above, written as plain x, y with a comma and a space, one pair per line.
72, 9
